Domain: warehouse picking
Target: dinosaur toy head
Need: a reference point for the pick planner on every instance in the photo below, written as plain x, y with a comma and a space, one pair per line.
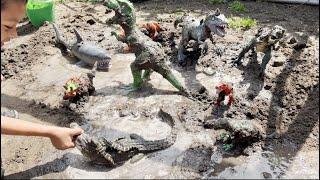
277, 32
124, 13
265, 34
217, 23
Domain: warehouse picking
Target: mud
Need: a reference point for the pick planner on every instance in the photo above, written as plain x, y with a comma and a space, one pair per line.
286, 101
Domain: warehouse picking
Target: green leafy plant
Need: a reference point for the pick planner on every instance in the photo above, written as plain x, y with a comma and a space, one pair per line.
237, 6
241, 23
216, 1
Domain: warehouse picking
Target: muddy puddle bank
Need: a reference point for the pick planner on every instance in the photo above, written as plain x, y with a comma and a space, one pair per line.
286, 101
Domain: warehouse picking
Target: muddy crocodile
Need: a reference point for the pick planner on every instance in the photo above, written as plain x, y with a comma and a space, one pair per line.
200, 31
265, 40
110, 153
85, 51
150, 55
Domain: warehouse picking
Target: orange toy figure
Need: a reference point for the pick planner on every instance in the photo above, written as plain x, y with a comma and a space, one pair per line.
152, 30
224, 90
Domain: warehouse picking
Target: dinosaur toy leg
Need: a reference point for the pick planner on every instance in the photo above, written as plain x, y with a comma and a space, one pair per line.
136, 73
243, 52
181, 51
265, 60
146, 75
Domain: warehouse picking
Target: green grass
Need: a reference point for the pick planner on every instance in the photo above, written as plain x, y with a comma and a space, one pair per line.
215, 1
241, 23
237, 6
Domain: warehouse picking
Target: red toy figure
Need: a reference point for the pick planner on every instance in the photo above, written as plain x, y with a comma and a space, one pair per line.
152, 30
224, 90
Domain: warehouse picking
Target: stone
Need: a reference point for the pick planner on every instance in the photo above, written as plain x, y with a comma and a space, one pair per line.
266, 175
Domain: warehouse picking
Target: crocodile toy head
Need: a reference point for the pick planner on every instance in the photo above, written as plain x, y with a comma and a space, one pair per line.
217, 23
89, 147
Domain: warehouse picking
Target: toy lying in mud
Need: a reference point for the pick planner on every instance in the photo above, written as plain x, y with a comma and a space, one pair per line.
87, 52
149, 54
200, 31
77, 88
224, 90
110, 153
239, 132
264, 41
151, 30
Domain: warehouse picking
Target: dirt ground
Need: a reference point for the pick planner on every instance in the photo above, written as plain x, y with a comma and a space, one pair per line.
286, 101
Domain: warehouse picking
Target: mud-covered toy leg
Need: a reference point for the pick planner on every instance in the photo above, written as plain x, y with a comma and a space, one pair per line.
137, 78
265, 61
181, 55
146, 75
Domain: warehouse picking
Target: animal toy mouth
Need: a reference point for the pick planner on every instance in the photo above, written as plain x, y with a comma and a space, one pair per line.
221, 29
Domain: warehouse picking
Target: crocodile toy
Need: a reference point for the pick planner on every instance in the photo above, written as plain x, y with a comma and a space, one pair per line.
264, 41
200, 31
110, 153
87, 52
149, 54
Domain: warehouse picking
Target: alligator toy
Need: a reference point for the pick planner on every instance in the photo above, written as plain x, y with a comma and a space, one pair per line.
149, 54
87, 52
264, 41
110, 153
200, 31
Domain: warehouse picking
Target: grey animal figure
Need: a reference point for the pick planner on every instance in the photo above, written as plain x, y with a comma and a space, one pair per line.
87, 52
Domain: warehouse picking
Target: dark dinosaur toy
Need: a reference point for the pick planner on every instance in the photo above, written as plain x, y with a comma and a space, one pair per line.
87, 52
110, 153
200, 31
265, 41
149, 54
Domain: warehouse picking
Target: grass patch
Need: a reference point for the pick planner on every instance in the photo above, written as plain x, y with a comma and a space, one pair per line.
215, 1
237, 6
241, 23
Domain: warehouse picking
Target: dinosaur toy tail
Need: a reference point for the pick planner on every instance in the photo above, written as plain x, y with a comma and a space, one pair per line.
59, 37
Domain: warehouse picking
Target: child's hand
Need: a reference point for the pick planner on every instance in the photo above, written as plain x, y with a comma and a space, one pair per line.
63, 138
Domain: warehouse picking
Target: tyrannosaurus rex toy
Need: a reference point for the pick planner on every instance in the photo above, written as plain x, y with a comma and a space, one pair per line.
149, 54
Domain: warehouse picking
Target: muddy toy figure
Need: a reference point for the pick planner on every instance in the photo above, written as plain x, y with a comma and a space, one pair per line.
264, 41
224, 90
149, 54
79, 87
200, 31
85, 51
153, 30
101, 150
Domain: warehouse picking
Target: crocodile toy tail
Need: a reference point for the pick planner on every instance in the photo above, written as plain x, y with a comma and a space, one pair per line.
155, 145
59, 37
